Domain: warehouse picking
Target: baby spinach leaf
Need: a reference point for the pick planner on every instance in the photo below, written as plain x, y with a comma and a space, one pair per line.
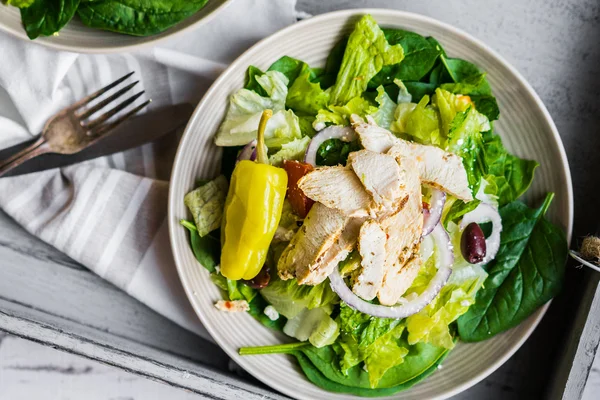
252, 83
512, 175
321, 367
136, 17
206, 249
527, 272
335, 152
46, 17
419, 58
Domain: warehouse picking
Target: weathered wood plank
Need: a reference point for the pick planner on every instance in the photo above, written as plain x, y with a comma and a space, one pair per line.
130, 356
41, 278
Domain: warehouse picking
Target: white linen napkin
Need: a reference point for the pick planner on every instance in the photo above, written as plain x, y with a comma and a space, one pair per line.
109, 214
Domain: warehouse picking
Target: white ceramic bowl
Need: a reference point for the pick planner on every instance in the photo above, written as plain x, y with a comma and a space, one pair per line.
79, 38
525, 126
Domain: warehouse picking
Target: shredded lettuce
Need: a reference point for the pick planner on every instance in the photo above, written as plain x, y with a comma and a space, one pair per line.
206, 204
366, 53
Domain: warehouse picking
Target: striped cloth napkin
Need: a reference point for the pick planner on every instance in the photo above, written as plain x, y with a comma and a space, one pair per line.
109, 214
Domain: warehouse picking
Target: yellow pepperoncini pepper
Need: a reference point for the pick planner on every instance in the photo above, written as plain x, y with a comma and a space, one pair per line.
252, 212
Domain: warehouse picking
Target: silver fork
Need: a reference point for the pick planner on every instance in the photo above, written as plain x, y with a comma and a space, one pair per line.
70, 131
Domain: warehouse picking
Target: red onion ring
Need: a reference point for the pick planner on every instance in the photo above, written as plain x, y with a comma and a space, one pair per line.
343, 133
432, 216
444, 261
481, 214
248, 152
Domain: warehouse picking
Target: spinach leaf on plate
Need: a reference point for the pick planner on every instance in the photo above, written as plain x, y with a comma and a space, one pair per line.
335, 151
419, 58
526, 273
46, 17
206, 249
321, 367
136, 17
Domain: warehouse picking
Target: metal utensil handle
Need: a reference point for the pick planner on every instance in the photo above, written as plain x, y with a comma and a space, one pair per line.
33, 150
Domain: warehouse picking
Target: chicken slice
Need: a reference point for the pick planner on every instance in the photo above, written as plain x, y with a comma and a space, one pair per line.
339, 188
321, 229
338, 252
372, 136
403, 231
437, 167
399, 283
379, 174
371, 246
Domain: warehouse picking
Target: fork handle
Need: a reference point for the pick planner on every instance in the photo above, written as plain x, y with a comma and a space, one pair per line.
33, 150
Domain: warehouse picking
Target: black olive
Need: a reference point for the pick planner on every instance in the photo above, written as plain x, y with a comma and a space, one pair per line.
261, 280
472, 244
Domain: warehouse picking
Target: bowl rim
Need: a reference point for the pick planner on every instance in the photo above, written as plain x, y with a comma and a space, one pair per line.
147, 41
349, 13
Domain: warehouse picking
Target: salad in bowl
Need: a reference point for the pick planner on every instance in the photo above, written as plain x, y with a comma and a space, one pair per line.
370, 212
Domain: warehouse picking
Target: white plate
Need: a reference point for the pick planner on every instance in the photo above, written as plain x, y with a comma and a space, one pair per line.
79, 38
525, 126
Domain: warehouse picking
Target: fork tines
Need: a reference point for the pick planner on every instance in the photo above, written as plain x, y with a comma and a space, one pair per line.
100, 124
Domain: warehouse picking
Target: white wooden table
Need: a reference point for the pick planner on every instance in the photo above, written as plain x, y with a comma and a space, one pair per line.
49, 298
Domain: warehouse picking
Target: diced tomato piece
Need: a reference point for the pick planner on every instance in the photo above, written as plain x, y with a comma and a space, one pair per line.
296, 170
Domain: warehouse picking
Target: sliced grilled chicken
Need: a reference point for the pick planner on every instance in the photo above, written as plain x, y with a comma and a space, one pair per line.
372, 136
339, 188
339, 251
371, 246
399, 283
403, 231
379, 174
437, 167
321, 229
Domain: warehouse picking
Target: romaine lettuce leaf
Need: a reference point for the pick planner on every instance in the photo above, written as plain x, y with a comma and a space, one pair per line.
431, 325
246, 107
509, 174
206, 204
306, 97
420, 122
366, 53
293, 150
314, 325
289, 298
384, 116
340, 115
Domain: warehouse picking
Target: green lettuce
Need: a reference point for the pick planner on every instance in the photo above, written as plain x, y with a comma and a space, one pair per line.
289, 298
246, 107
384, 116
366, 53
510, 175
206, 204
431, 325
420, 122
340, 115
293, 150
314, 325
374, 341
305, 96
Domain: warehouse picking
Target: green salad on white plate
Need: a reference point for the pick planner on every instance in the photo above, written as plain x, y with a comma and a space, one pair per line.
370, 211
